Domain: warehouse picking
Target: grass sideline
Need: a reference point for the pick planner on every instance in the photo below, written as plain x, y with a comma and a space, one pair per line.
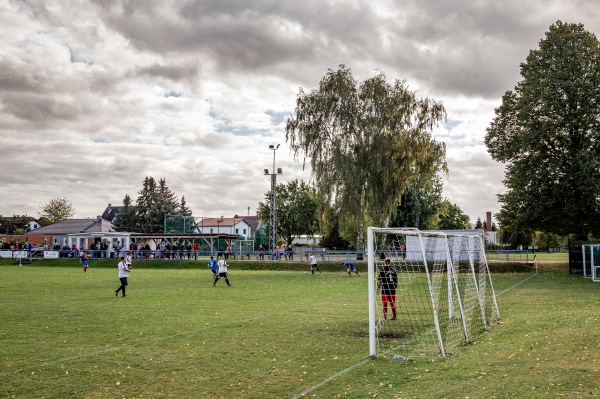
274, 334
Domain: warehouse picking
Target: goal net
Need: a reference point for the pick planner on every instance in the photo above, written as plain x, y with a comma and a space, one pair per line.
430, 292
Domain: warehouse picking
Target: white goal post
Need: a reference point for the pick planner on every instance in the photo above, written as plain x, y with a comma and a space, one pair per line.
430, 292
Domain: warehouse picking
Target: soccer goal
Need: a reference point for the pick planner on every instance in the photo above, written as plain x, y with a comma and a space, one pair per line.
591, 261
430, 292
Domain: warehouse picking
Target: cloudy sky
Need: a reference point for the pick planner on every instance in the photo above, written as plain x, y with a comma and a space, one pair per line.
96, 95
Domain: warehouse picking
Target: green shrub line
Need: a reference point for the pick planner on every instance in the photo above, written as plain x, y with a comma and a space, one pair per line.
329, 266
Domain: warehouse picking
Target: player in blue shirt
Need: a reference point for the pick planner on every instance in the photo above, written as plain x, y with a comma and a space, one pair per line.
212, 263
350, 267
83, 261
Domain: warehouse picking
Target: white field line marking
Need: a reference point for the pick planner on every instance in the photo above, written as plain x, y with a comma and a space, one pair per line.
309, 390
118, 348
519, 283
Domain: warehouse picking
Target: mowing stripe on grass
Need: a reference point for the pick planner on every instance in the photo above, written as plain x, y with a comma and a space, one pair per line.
309, 390
66, 359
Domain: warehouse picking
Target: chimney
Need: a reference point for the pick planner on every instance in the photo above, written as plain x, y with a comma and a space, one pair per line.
488, 220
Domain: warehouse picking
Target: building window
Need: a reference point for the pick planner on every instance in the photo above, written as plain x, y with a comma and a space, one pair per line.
237, 231
244, 231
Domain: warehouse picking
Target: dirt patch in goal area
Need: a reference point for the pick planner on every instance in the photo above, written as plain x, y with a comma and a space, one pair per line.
384, 334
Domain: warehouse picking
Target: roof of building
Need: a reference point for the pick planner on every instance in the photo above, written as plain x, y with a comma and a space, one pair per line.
111, 212
222, 222
71, 226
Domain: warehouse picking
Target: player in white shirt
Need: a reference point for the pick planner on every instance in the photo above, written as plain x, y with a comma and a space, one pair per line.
313, 263
123, 274
222, 265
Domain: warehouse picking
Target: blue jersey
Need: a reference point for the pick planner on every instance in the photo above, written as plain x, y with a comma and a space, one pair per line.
213, 266
350, 265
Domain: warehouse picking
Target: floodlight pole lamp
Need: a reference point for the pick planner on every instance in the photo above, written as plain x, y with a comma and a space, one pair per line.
273, 213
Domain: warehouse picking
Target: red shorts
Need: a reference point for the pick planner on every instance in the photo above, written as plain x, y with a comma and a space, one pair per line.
391, 299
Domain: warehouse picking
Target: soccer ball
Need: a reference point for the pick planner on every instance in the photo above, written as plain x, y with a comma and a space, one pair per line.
305, 272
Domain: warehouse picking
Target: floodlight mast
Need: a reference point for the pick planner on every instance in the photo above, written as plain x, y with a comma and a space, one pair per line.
273, 210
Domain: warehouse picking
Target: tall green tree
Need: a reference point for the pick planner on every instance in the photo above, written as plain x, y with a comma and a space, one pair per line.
420, 204
147, 201
296, 210
126, 218
367, 141
14, 225
183, 208
547, 131
155, 200
57, 209
451, 217
423, 206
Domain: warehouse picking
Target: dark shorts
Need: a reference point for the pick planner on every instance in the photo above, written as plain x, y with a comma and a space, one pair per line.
123, 280
223, 274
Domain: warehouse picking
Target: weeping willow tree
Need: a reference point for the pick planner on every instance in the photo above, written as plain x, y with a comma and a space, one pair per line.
366, 141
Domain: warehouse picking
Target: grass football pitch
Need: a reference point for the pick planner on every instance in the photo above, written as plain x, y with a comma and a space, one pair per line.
275, 334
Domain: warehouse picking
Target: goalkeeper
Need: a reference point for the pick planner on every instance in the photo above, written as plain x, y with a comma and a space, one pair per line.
387, 282
350, 267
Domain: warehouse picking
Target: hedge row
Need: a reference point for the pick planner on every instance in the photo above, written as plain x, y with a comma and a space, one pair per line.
495, 267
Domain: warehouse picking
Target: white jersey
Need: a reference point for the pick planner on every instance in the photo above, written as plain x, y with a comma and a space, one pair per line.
222, 266
128, 260
313, 260
123, 270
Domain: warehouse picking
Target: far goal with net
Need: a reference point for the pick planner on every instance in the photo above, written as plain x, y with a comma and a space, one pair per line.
430, 292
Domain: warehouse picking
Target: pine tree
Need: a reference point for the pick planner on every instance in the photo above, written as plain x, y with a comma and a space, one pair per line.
126, 219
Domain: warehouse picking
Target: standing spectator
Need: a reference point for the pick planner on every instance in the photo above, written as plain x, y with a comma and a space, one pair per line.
123, 274
196, 248
387, 281
261, 253
313, 263
189, 250
212, 264
350, 267
147, 251
83, 261
222, 271
117, 247
227, 252
290, 252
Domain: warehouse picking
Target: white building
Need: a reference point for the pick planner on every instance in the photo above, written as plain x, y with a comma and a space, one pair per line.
235, 225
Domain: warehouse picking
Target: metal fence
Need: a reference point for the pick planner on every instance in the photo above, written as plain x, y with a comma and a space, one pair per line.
299, 254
